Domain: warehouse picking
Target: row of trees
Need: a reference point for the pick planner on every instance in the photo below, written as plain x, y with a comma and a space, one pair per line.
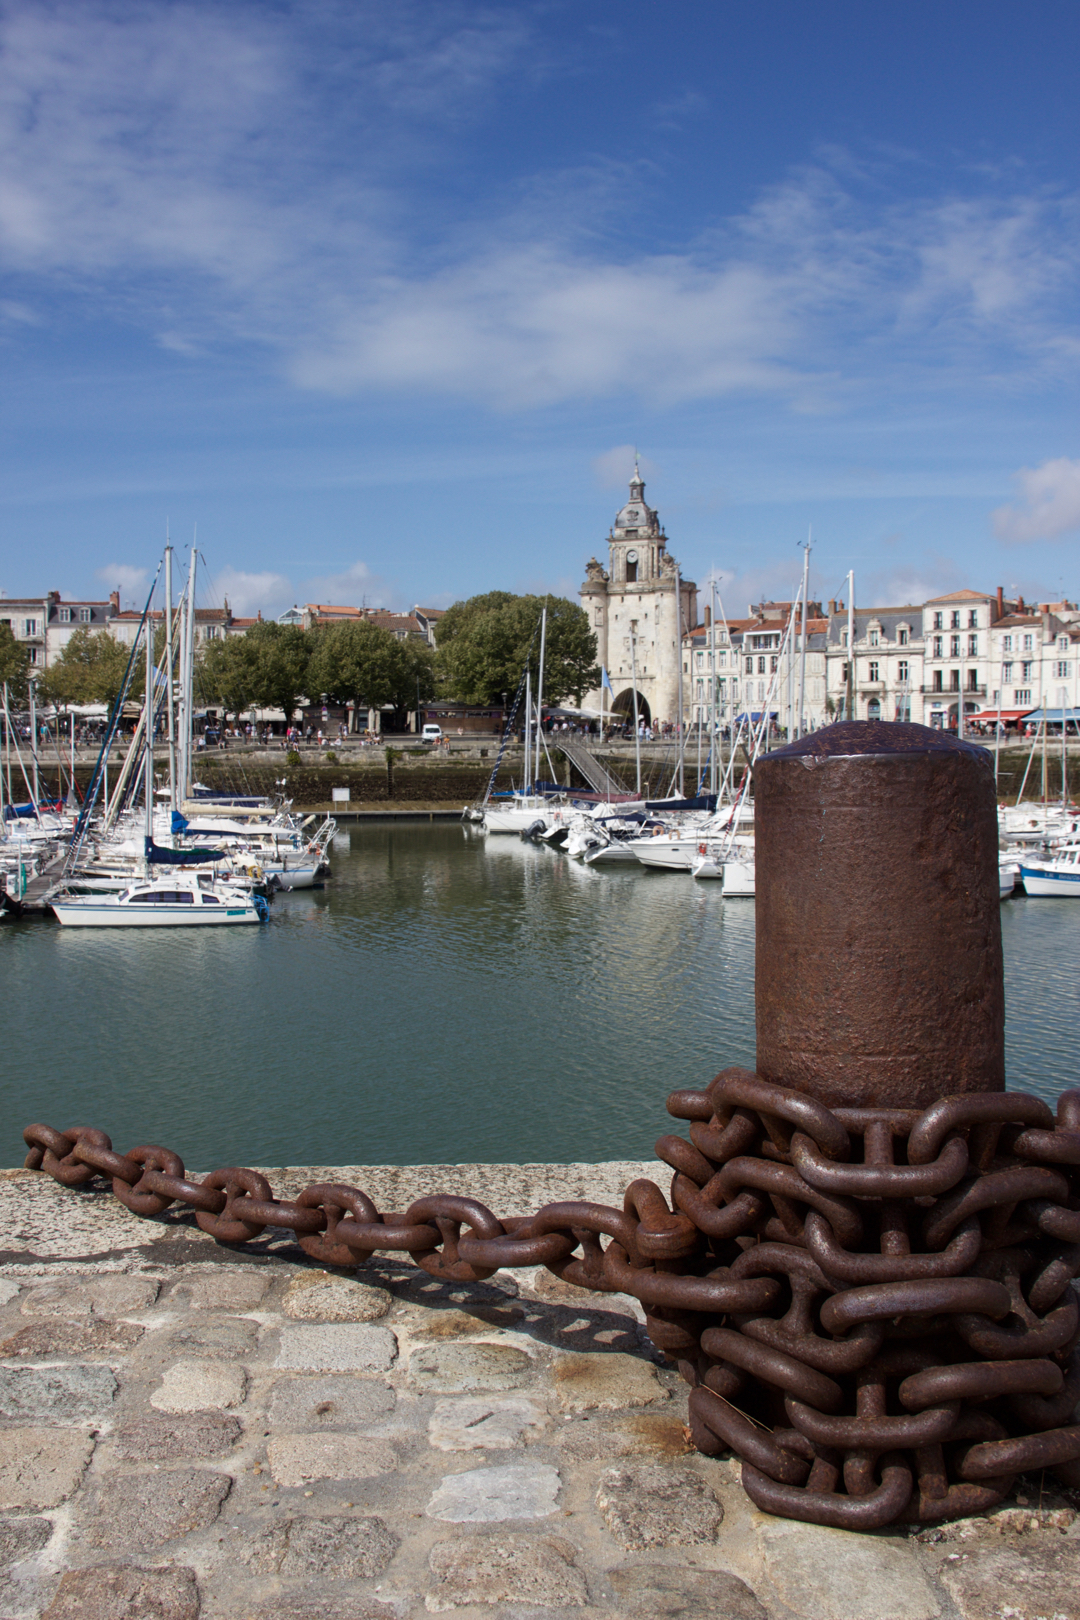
483, 644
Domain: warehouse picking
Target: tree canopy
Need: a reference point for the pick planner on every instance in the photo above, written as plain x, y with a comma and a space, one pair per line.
90, 669
14, 663
484, 642
362, 663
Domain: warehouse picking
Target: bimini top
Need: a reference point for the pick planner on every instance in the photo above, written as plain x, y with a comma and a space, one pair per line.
851, 738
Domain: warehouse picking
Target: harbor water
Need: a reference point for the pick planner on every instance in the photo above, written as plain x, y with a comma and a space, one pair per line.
446, 998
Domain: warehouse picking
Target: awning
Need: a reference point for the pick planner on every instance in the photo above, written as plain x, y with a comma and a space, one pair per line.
1052, 717
1007, 715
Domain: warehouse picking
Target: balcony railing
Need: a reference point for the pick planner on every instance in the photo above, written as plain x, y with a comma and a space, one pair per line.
953, 691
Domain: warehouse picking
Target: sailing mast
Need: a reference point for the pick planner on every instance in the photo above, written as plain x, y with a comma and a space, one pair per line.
802, 638
148, 710
637, 733
679, 656
171, 721
850, 693
540, 695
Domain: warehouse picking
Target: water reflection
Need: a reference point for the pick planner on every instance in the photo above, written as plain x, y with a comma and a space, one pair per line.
446, 998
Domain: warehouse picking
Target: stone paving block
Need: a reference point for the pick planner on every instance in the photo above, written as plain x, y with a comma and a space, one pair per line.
493, 1495
479, 1424
296, 1459
839, 1575
533, 1571
605, 1436
325, 1404
433, 1324
141, 1511
22, 1538
1032, 1580
93, 1336
337, 1347
652, 1504
343, 1606
338, 1549
468, 1369
101, 1296
124, 1592
685, 1593
62, 1394
595, 1380
8, 1290
219, 1288
39, 1468
159, 1437
316, 1296
200, 1386
225, 1340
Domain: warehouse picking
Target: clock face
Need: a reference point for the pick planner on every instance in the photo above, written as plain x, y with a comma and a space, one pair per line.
631, 556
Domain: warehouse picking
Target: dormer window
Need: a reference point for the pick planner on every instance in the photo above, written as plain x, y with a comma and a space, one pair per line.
902, 635
875, 638
64, 615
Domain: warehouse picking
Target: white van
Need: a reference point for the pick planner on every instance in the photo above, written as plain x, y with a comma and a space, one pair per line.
431, 734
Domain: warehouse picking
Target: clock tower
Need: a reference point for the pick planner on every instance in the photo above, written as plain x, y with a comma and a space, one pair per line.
639, 611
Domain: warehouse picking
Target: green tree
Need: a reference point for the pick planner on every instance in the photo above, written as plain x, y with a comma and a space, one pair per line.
14, 664
90, 669
483, 644
226, 675
279, 655
360, 662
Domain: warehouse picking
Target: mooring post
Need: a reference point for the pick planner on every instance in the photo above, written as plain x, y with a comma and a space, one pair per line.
879, 978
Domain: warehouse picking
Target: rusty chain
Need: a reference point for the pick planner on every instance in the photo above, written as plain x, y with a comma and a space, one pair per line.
874, 1307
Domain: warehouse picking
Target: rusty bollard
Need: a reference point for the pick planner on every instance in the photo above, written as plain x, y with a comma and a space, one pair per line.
916, 1227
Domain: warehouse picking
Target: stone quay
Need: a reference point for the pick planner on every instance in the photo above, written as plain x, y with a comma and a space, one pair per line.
193, 1431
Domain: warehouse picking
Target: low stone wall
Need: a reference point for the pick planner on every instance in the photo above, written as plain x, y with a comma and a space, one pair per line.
188, 1430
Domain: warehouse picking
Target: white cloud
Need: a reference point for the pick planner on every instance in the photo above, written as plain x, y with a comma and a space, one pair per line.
198, 170
355, 586
613, 469
1050, 503
132, 583
247, 594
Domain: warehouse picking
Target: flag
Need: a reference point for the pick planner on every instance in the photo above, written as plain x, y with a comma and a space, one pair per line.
604, 679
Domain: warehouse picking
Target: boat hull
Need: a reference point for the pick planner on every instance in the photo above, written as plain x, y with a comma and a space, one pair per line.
1044, 883
99, 914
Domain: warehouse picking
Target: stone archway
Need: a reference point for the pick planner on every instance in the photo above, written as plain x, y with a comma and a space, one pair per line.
623, 706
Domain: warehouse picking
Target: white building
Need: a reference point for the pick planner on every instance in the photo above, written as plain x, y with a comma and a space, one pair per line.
639, 609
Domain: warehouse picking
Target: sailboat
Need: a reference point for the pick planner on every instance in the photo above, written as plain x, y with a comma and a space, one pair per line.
173, 898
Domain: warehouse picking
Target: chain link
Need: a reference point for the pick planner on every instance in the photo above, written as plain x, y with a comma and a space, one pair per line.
874, 1308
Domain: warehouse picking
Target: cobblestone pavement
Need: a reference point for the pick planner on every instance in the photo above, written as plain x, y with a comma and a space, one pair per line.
188, 1431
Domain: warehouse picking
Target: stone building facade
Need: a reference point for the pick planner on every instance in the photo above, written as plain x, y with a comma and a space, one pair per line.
639, 610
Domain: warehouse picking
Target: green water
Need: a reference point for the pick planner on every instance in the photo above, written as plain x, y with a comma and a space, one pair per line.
447, 998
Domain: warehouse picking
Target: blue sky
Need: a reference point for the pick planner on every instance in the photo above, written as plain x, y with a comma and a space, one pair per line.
381, 296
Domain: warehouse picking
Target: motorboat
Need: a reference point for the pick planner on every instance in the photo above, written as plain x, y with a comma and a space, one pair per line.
171, 901
1057, 877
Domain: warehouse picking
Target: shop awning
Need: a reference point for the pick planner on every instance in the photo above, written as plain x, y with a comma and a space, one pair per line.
1008, 715
1052, 717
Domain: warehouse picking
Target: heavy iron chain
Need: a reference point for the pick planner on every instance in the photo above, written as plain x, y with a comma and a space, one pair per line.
874, 1308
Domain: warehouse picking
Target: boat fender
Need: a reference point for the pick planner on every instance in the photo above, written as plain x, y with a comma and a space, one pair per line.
261, 907
703, 849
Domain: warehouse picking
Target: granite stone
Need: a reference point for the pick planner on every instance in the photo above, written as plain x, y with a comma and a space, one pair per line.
484, 1424
684, 1593
341, 1606
200, 1386
453, 1324
599, 1380
493, 1495
22, 1538
226, 1339
604, 1436
467, 1369
297, 1459
125, 1592
8, 1291
337, 1347
530, 1571
219, 1288
39, 1468
160, 1437
338, 1549
146, 1510
92, 1336
322, 1405
650, 1504
828, 1574
64, 1394
315, 1296
101, 1296
1036, 1579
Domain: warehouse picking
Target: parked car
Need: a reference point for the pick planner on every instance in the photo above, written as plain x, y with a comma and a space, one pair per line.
431, 734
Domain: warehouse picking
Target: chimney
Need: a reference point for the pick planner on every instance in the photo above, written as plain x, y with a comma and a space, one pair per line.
1020, 608
114, 601
54, 596
1000, 614
708, 617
